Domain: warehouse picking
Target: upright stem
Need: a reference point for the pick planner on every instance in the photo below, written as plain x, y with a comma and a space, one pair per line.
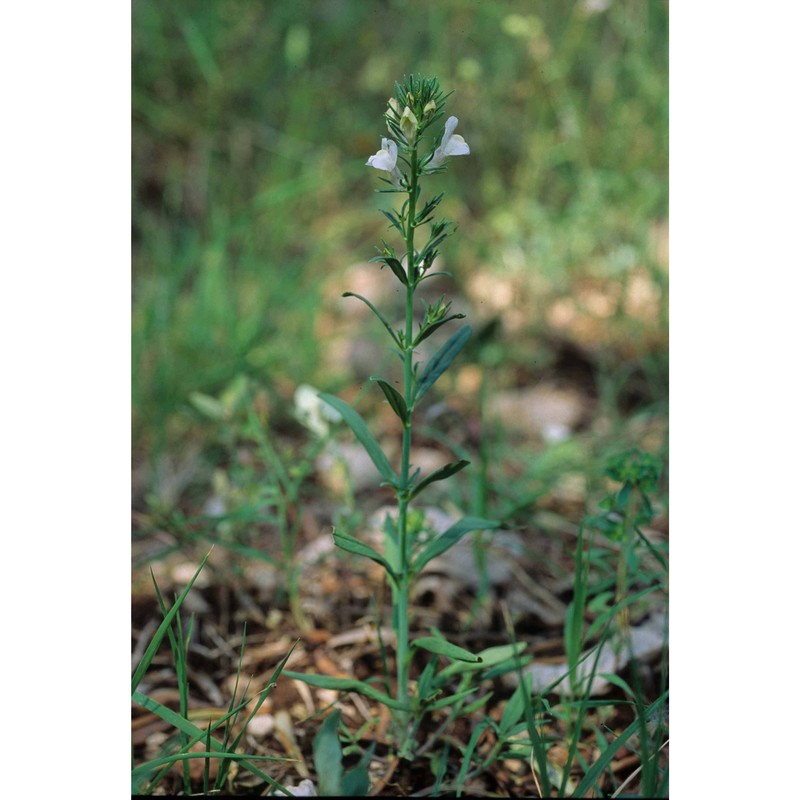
405, 467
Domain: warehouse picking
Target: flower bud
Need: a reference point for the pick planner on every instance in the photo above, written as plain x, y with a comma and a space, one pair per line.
409, 125
394, 109
430, 107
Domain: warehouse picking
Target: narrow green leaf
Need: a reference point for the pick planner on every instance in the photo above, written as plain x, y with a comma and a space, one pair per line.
443, 648
615, 609
396, 267
424, 334
466, 759
451, 699
355, 782
377, 314
328, 756
424, 684
608, 754
441, 361
394, 397
353, 545
617, 681
439, 475
159, 762
444, 542
196, 734
508, 666
429, 208
359, 428
433, 243
394, 220
434, 275
479, 703
347, 685
155, 642
491, 657
515, 708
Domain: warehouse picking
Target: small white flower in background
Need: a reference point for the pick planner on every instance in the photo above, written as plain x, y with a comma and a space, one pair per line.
386, 160
555, 432
596, 6
452, 145
312, 412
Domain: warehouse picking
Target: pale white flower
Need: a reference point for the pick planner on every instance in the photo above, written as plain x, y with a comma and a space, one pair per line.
386, 160
452, 145
312, 411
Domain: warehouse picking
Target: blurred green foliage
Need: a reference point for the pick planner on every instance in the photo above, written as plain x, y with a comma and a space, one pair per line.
252, 121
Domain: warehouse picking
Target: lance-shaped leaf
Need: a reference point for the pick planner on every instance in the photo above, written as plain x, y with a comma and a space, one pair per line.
360, 429
426, 332
353, 545
433, 644
347, 685
444, 542
425, 215
491, 657
435, 274
439, 475
395, 266
395, 220
441, 360
378, 315
395, 399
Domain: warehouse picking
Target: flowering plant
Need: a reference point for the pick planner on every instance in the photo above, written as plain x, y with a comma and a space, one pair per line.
416, 108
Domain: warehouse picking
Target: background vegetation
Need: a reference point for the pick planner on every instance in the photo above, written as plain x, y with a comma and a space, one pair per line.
251, 125
253, 211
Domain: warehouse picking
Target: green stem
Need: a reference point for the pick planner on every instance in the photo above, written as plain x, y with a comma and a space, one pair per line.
623, 615
401, 598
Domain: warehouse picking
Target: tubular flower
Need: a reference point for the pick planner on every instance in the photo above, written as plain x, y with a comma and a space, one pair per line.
452, 145
386, 160
386, 157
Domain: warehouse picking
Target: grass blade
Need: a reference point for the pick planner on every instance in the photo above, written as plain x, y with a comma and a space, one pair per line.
348, 685
155, 642
196, 734
605, 759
